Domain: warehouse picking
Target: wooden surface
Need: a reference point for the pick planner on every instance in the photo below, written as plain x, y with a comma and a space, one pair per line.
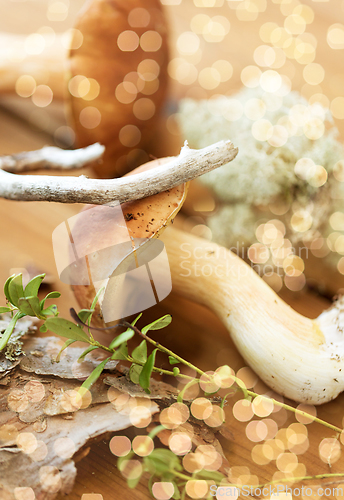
26, 228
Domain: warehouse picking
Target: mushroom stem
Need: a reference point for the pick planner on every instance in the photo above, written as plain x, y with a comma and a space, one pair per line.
188, 165
300, 358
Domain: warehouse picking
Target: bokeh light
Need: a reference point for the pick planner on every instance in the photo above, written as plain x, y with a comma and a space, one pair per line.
242, 410
120, 445
24, 493
142, 445
330, 450
163, 490
201, 408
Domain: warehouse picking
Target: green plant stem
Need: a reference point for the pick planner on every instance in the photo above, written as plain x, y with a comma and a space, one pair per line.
158, 370
276, 481
297, 412
236, 380
182, 476
131, 360
298, 479
164, 349
264, 485
97, 344
9, 330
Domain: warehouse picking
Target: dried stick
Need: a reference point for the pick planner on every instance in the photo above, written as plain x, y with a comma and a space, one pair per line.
188, 165
50, 158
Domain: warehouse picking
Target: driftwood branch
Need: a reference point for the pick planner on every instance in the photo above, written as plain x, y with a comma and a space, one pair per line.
188, 165
50, 158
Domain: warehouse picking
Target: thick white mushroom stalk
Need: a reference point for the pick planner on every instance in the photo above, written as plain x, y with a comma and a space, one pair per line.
300, 358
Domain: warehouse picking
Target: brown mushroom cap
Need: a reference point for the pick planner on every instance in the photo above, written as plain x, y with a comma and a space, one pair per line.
106, 234
132, 81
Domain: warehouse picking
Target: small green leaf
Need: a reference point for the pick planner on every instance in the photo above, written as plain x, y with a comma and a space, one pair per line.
158, 324
156, 431
43, 328
89, 349
211, 475
132, 483
176, 371
185, 388
15, 289
91, 379
121, 461
121, 352
84, 314
120, 339
140, 352
208, 394
116, 342
223, 401
136, 319
50, 311
161, 461
96, 298
31, 289
9, 330
243, 387
144, 379
66, 328
5, 310
176, 494
30, 306
172, 360
50, 295
150, 485
6, 285
65, 345
134, 373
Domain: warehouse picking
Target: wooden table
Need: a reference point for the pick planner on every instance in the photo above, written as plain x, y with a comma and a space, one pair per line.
26, 228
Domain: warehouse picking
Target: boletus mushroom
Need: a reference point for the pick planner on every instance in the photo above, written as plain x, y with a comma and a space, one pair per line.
300, 358
122, 64
122, 252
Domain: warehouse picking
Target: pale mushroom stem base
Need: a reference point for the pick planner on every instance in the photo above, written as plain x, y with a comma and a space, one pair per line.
292, 354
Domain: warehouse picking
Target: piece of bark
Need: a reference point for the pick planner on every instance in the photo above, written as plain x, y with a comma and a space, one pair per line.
45, 426
52, 420
13, 352
42, 359
158, 390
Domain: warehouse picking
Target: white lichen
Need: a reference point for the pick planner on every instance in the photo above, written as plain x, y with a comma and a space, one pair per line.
241, 219
260, 172
272, 133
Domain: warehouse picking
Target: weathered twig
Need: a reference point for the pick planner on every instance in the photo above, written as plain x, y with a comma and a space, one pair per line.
50, 158
188, 165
